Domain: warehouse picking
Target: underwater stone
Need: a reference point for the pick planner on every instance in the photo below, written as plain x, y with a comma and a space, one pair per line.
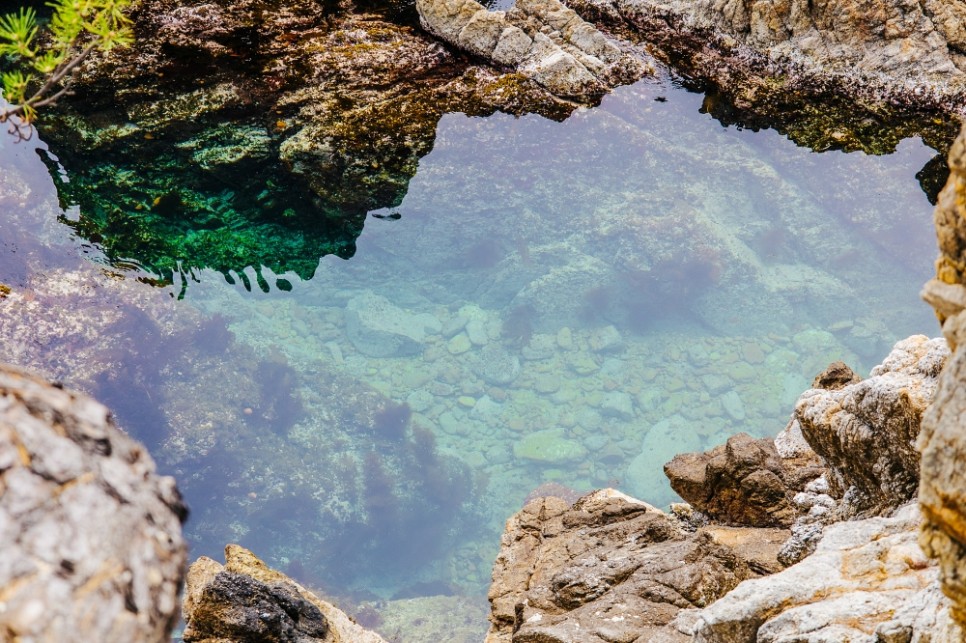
551, 446
459, 344
540, 347
565, 338
378, 328
498, 365
733, 405
617, 404
644, 477
606, 340
476, 331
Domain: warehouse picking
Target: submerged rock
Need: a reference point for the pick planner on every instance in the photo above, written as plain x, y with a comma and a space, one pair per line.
91, 534
378, 328
245, 600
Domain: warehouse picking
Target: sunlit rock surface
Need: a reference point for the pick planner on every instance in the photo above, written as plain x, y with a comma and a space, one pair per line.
942, 442
541, 39
91, 535
868, 578
866, 431
245, 600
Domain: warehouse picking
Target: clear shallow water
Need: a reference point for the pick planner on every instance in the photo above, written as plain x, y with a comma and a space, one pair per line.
567, 303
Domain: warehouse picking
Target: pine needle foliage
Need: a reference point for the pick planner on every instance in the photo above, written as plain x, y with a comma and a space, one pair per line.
36, 60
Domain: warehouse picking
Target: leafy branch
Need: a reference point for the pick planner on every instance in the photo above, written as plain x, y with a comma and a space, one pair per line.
38, 61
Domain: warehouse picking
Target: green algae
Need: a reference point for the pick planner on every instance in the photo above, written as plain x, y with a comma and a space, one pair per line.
208, 202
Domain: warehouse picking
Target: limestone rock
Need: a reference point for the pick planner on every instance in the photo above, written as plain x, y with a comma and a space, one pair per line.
942, 443
541, 39
612, 568
378, 328
866, 432
741, 482
245, 600
866, 576
91, 535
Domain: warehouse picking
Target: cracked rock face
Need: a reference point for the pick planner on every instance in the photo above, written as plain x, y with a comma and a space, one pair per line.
90, 534
866, 432
743, 482
612, 568
867, 581
541, 39
906, 51
942, 442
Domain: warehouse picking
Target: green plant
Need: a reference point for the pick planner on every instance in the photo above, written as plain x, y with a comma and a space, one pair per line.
36, 62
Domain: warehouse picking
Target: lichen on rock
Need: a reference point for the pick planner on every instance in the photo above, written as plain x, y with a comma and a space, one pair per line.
91, 534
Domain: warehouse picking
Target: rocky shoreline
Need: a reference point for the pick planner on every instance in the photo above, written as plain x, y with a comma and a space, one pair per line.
817, 530
813, 531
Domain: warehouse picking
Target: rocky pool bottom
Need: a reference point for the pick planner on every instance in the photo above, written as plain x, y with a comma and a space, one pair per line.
525, 323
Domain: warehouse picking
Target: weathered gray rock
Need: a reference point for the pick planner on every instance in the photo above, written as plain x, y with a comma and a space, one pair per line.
245, 600
612, 568
541, 39
91, 535
942, 441
866, 577
866, 432
741, 482
378, 328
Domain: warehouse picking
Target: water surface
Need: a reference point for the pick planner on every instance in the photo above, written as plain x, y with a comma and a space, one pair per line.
567, 303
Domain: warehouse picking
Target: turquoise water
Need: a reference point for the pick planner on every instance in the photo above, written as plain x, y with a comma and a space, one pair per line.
567, 303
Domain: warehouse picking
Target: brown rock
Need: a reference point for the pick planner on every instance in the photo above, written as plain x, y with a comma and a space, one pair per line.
942, 441
612, 568
91, 538
741, 482
835, 376
245, 600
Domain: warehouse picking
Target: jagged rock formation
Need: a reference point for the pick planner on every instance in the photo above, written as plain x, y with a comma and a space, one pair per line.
610, 568
742, 482
589, 573
245, 600
866, 432
867, 581
942, 442
91, 535
541, 39
905, 52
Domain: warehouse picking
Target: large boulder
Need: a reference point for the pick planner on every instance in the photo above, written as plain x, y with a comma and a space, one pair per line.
91, 535
245, 600
612, 568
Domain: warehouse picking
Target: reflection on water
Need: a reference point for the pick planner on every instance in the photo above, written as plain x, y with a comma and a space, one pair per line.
568, 303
